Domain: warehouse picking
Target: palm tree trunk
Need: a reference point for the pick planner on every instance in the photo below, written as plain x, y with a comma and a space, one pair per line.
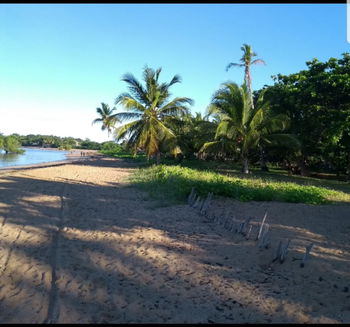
263, 165
245, 165
348, 170
158, 157
248, 79
303, 170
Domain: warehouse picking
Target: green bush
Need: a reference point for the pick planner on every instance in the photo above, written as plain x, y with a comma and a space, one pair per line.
11, 144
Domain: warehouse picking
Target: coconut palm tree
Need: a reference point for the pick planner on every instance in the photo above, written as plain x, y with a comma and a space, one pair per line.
247, 61
245, 126
148, 107
107, 118
192, 131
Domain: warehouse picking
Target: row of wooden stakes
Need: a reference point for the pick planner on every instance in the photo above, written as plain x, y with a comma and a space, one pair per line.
245, 228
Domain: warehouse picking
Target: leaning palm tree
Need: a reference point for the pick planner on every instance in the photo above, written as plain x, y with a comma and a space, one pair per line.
245, 126
148, 108
107, 118
247, 61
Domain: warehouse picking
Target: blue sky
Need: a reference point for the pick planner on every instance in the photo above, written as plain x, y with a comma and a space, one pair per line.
58, 62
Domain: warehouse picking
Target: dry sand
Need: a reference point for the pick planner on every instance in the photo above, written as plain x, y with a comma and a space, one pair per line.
80, 245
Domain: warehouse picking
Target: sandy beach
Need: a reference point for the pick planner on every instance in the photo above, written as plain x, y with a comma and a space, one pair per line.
79, 244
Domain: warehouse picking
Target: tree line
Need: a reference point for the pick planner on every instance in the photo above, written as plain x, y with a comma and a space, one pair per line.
13, 142
301, 122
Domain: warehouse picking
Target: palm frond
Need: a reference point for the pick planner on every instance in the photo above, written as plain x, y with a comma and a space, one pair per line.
286, 140
135, 87
232, 64
258, 61
176, 107
97, 120
130, 103
125, 116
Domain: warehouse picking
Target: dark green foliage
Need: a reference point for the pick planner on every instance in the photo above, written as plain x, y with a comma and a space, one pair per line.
317, 100
89, 145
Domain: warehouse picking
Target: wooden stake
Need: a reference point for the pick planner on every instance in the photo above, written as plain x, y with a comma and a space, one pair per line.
264, 238
284, 251
261, 226
307, 253
206, 203
248, 233
278, 251
190, 197
195, 205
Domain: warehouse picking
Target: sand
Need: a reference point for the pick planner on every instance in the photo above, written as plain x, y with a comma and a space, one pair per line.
78, 244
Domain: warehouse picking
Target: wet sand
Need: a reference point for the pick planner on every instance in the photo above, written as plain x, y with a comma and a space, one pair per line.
78, 244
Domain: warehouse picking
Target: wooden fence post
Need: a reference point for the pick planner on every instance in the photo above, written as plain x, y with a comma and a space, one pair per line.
264, 239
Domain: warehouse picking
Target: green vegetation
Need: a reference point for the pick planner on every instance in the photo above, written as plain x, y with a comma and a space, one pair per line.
246, 62
51, 141
317, 101
297, 131
175, 183
10, 144
152, 113
107, 118
300, 124
252, 126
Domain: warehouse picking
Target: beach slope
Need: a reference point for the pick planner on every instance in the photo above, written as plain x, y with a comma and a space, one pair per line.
78, 244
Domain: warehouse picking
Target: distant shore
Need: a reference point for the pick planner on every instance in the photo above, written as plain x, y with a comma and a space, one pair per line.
74, 155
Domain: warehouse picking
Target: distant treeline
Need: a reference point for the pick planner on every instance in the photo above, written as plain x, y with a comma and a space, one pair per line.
50, 141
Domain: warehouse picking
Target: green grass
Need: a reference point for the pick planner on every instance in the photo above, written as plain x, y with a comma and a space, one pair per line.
174, 183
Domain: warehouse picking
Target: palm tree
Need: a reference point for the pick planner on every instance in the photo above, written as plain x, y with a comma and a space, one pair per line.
245, 126
107, 118
149, 109
192, 131
247, 61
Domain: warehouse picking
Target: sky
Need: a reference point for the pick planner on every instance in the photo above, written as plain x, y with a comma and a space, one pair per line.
58, 62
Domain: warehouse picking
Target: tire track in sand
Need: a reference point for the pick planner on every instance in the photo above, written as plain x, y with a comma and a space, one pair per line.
53, 311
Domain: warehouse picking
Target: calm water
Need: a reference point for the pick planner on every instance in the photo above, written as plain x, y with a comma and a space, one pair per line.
31, 156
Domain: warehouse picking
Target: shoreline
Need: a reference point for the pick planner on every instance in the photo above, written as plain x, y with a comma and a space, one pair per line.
74, 155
